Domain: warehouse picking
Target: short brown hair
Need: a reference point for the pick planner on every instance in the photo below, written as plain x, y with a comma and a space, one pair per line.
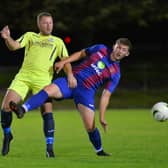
40, 15
124, 41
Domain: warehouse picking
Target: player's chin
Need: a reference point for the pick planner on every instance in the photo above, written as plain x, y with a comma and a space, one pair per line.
47, 33
118, 59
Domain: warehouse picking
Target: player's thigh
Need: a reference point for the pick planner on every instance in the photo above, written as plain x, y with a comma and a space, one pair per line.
57, 92
20, 86
16, 92
36, 86
88, 117
52, 89
84, 96
61, 88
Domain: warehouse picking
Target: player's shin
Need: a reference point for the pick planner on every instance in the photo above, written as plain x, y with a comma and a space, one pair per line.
95, 139
35, 101
48, 127
6, 120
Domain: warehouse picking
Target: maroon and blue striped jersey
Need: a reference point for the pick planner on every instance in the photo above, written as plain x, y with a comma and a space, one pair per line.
97, 69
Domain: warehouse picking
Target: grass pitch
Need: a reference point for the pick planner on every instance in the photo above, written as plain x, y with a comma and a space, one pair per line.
134, 138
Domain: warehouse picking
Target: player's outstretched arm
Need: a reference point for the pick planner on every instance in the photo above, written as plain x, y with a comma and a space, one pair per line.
72, 58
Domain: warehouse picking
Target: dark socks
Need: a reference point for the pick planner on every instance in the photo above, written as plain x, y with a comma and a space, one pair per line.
6, 120
95, 139
48, 127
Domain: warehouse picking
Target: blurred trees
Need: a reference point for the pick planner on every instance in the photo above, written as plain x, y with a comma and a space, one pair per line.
145, 22
84, 15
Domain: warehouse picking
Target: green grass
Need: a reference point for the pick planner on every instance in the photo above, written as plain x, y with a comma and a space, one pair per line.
133, 137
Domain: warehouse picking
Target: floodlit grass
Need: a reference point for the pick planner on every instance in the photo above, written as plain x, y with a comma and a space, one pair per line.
133, 137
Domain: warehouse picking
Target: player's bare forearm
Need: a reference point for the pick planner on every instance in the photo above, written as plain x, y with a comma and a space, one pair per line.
12, 44
74, 57
104, 101
72, 82
67, 68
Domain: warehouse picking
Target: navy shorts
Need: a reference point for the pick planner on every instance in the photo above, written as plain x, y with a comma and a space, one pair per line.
80, 94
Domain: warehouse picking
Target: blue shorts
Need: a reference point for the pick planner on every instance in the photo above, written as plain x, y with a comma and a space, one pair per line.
80, 94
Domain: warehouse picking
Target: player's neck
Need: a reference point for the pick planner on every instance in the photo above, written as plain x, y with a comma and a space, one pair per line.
42, 34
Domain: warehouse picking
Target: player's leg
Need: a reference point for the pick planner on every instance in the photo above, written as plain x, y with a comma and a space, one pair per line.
62, 90
6, 119
84, 99
47, 115
37, 100
58, 89
16, 92
88, 118
48, 127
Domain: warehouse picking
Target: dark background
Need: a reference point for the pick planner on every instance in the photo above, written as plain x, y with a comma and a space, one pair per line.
86, 22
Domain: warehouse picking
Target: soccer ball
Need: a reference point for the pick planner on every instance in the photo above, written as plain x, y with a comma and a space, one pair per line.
160, 111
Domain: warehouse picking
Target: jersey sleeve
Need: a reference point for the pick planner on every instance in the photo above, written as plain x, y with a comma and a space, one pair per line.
63, 51
112, 84
24, 39
93, 48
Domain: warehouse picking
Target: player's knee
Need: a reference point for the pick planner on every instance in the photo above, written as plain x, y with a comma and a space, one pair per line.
5, 107
49, 89
90, 128
53, 91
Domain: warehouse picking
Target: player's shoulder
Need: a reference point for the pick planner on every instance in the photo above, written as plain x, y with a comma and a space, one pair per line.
102, 45
29, 33
56, 38
99, 45
96, 47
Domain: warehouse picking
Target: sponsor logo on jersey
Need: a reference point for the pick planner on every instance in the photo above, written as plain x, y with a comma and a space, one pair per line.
43, 43
50, 39
100, 65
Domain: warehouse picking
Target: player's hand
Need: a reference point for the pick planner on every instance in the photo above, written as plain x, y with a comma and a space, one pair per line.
72, 82
104, 124
59, 66
5, 32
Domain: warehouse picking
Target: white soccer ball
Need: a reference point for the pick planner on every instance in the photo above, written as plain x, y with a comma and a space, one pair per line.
160, 111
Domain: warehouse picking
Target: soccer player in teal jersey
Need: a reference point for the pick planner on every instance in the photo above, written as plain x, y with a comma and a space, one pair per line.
41, 51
